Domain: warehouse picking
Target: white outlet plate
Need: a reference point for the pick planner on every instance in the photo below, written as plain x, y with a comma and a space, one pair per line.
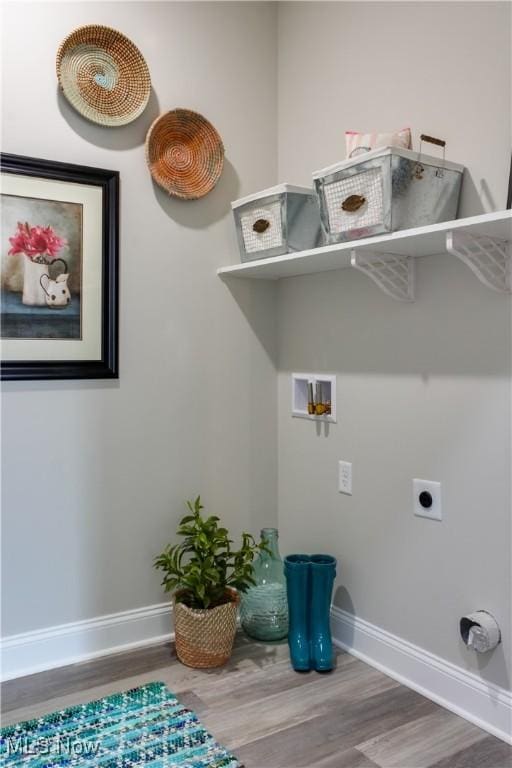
345, 477
434, 511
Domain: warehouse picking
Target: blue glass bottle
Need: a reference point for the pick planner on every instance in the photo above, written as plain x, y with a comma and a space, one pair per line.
264, 607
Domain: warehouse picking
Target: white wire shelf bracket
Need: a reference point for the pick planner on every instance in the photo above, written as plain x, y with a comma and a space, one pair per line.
487, 257
393, 274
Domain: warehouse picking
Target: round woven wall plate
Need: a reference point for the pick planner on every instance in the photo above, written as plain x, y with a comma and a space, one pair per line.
103, 75
184, 153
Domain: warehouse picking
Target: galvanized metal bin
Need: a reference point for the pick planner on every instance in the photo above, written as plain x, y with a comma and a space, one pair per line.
386, 190
276, 221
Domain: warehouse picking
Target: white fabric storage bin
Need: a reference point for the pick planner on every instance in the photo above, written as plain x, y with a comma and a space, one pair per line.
276, 221
386, 190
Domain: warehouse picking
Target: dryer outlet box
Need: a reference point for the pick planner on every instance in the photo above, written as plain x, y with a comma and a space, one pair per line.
427, 499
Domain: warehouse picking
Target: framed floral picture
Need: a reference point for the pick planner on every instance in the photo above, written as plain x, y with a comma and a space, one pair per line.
59, 270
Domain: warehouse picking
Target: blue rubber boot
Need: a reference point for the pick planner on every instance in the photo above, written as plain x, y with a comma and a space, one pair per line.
323, 571
297, 570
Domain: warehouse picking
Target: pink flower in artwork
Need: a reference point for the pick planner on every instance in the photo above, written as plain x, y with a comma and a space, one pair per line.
36, 241
19, 240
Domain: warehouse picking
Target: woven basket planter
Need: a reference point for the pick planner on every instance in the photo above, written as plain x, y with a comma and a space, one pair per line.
103, 75
205, 637
184, 153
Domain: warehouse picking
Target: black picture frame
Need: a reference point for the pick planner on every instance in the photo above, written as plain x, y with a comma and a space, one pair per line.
107, 367
509, 196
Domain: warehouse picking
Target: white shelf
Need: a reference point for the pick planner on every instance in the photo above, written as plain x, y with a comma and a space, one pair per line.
423, 241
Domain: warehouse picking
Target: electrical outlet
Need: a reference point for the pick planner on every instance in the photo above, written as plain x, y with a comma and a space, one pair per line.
427, 499
345, 477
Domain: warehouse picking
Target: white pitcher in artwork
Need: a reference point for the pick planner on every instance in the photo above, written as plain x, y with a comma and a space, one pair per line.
33, 293
38, 246
57, 295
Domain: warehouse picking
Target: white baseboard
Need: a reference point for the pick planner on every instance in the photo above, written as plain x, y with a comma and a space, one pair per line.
462, 692
456, 689
31, 652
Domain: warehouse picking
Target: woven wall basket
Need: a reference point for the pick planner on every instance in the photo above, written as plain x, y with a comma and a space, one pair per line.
184, 153
103, 75
204, 638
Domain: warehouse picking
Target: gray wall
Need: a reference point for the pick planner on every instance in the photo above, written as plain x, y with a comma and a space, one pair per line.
423, 389
95, 474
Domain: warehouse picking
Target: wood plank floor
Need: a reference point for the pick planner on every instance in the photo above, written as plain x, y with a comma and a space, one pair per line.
273, 717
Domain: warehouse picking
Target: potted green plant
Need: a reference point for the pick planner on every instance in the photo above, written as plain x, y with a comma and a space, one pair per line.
206, 576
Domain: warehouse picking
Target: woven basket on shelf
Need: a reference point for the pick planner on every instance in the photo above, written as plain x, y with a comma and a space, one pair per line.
184, 153
103, 75
204, 637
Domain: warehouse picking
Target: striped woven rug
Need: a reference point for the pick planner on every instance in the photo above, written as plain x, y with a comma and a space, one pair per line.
144, 726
